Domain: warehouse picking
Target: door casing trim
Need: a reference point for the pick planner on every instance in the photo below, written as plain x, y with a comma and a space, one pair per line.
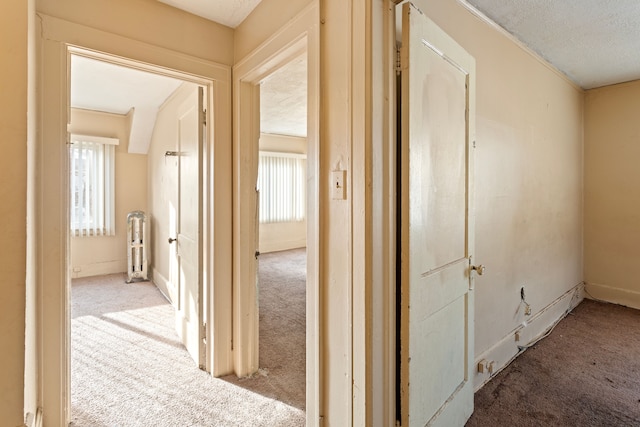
58, 40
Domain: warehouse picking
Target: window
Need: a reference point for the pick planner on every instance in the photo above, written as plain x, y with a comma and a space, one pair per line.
92, 185
281, 182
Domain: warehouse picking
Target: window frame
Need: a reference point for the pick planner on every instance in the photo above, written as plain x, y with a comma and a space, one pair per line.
102, 175
295, 210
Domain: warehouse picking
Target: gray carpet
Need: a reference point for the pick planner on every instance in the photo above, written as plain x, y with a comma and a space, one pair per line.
586, 373
282, 299
128, 367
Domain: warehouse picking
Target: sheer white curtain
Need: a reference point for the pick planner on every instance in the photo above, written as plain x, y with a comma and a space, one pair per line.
281, 182
92, 184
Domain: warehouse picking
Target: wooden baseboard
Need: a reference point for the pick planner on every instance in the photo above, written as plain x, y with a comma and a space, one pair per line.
282, 245
99, 269
163, 285
529, 331
613, 295
32, 420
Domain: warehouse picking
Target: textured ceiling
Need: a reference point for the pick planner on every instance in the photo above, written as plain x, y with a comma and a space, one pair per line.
227, 12
101, 86
283, 100
594, 42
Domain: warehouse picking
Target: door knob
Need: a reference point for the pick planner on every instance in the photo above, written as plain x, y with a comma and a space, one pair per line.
171, 240
478, 269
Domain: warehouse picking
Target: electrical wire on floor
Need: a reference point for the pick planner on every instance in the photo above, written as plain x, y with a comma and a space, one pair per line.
523, 348
592, 297
576, 295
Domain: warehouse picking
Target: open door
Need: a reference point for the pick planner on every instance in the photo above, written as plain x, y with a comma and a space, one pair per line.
190, 304
437, 126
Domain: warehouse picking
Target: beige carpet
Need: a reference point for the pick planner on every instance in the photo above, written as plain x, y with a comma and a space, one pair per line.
129, 368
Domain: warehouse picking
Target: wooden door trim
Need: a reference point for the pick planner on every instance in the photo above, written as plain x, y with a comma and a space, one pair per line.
300, 36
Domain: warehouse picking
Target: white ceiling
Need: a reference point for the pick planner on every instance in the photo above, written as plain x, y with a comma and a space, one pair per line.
226, 12
101, 86
283, 100
594, 42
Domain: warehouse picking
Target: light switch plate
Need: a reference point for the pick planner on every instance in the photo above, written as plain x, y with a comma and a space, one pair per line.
338, 185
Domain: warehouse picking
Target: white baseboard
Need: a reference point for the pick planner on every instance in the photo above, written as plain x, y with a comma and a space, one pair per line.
34, 420
99, 269
505, 350
282, 245
163, 285
613, 295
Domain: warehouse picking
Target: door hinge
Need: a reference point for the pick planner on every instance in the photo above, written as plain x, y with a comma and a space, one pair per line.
398, 62
204, 117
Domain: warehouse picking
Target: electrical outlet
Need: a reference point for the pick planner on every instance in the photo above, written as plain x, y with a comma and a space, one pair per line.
517, 336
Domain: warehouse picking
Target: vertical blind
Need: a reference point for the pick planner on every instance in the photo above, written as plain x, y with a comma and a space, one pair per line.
281, 183
92, 184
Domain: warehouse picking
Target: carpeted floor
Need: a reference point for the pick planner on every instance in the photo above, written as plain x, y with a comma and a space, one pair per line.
586, 373
282, 299
129, 368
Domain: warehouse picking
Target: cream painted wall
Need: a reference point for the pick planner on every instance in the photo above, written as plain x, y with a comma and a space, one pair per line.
528, 164
163, 188
151, 22
528, 180
267, 18
97, 255
612, 193
13, 209
281, 236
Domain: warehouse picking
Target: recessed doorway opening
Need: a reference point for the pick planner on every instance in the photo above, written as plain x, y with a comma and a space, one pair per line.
123, 123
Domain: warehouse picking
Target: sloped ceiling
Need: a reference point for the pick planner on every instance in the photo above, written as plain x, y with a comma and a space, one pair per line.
226, 12
101, 86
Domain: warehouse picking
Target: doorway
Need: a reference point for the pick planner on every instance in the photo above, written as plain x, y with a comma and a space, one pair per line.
54, 280
300, 39
124, 159
282, 229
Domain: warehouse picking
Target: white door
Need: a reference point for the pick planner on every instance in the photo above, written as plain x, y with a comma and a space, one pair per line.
189, 318
437, 130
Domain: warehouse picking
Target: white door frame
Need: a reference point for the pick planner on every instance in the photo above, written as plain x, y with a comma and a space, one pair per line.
58, 38
299, 36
